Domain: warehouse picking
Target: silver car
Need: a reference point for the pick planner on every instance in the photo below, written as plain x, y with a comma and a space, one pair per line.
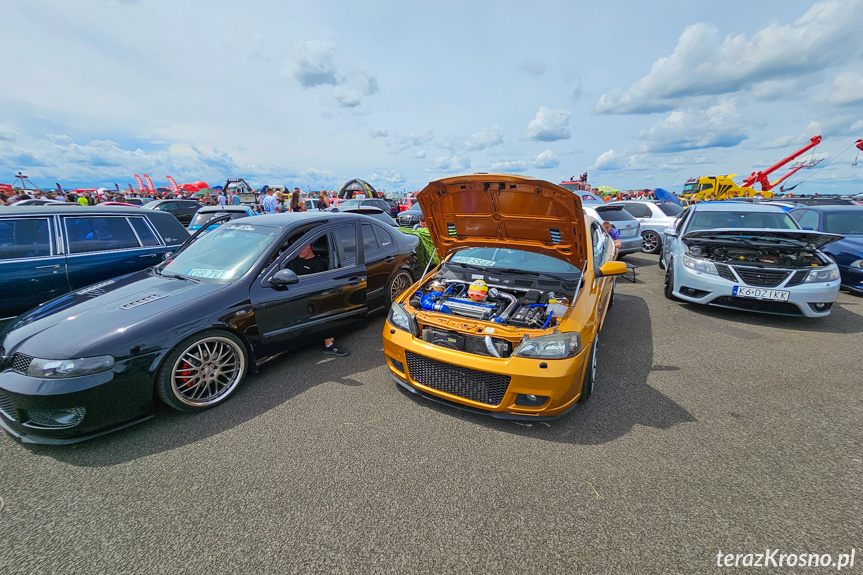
627, 226
750, 257
654, 218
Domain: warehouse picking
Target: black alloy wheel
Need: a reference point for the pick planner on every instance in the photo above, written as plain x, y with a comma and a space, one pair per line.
669, 281
589, 373
651, 243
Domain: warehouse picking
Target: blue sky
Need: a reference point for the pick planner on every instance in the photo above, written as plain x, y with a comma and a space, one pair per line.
638, 94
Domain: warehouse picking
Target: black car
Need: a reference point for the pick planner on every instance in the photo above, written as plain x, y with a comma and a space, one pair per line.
183, 210
375, 213
411, 217
188, 330
46, 251
383, 205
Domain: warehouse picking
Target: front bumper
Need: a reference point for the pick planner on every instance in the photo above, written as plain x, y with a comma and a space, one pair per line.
560, 380
110, 400
719, 291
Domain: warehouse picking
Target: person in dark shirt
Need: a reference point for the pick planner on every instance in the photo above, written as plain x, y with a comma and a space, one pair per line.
305, 263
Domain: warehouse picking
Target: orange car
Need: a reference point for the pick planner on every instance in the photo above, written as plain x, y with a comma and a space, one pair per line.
508, 323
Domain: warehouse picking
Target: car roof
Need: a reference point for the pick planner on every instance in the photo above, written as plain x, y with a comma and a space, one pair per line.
49, 209
290, 218
231, 208
737, 206
833, 208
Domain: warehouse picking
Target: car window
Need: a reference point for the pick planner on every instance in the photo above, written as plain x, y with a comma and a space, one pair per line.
347, 238
672, 210
314, 256
95, 234
600, 240
24, 238
807, 219
145, 234
711, 220
848, 223
637, 210
612, 215
370, 243
383, 236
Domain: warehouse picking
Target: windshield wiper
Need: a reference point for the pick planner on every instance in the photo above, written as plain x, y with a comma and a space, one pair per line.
181, 277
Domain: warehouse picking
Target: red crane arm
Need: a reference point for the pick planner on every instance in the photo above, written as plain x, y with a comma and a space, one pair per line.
761, 176
859, 144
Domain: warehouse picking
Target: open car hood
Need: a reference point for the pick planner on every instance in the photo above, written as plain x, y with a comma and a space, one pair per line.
502, 210
815, 239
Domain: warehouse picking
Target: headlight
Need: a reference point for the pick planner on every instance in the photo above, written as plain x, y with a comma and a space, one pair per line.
826, 275
398, 317
857, 264
554, 346
699, 265
59, 368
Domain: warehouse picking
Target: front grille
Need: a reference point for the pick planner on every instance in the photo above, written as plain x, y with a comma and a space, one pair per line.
761, 277
752, 304
21, 362
798, 278
725, 272
481, 386
7, 408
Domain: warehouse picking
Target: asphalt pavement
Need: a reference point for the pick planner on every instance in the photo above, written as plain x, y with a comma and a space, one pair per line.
710, 430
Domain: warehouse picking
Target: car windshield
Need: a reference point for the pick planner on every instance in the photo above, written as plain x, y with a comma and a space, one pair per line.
350, 204
222, 255
415, 209
710, 220
847, 223
513, 259
672, 210
202, 218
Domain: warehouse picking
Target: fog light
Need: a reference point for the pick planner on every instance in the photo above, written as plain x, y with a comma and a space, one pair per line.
820, 306
529, 399
55, 418
399, 366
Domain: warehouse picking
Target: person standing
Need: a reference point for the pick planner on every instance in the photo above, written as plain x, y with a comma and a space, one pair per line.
323, 201
296, 204
221, 199
270, 204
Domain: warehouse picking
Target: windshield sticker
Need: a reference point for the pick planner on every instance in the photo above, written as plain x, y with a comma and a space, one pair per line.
208, 273
472, 261
240, 228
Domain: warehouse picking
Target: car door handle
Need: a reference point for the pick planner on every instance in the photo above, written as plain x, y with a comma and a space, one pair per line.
54, 267
148, 256
353, 282
390, 259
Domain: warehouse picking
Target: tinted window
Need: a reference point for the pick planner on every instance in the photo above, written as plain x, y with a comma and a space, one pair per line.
610, 215
202, 218
672, 210
347, 237
145, 234
638, 210
370, 244
807, 219
24, 238
99, 234
384, 238
848, 223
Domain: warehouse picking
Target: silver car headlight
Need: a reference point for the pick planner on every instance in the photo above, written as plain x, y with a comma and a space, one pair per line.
554, 346
699, 265
829, 274
60, 368
399, 317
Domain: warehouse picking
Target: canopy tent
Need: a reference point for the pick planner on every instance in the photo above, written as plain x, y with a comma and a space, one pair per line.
607, 189
357, 185
665, 196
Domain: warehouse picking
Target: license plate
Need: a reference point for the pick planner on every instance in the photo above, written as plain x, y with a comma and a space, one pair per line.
761, 293
630, 232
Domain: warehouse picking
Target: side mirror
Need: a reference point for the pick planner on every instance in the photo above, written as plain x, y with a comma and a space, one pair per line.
611, 269
284, 278
670, 232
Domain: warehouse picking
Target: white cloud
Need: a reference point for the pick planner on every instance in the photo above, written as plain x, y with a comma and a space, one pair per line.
717, 127
386, 178
508, 166
7, 133
487, 138
780, 142
414, 140
847, 89
455, 163
379, 133
702, 63
549, 125
313, 64
546, 160
420, 155
610, 160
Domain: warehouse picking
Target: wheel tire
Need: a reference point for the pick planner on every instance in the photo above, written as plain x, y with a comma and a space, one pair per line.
669, 282
589, 373
212, 362
398, 284
651, 243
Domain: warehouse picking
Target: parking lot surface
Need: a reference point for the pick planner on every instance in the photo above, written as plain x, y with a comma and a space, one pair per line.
709, 430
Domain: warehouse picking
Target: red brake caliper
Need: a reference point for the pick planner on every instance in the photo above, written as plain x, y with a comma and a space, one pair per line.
185, 370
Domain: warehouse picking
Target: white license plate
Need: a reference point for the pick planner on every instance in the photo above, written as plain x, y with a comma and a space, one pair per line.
761, 293
630, 232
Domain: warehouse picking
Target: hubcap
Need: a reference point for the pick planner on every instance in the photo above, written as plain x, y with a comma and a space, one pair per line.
400, 284
207, 371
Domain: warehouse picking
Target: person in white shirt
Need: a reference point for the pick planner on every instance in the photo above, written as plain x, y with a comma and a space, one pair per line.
271, 204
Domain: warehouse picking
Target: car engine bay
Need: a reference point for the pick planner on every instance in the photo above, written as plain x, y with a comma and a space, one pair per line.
761, 256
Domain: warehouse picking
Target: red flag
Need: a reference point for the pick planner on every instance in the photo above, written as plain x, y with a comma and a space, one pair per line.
149, 183
140, 183
174, 186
